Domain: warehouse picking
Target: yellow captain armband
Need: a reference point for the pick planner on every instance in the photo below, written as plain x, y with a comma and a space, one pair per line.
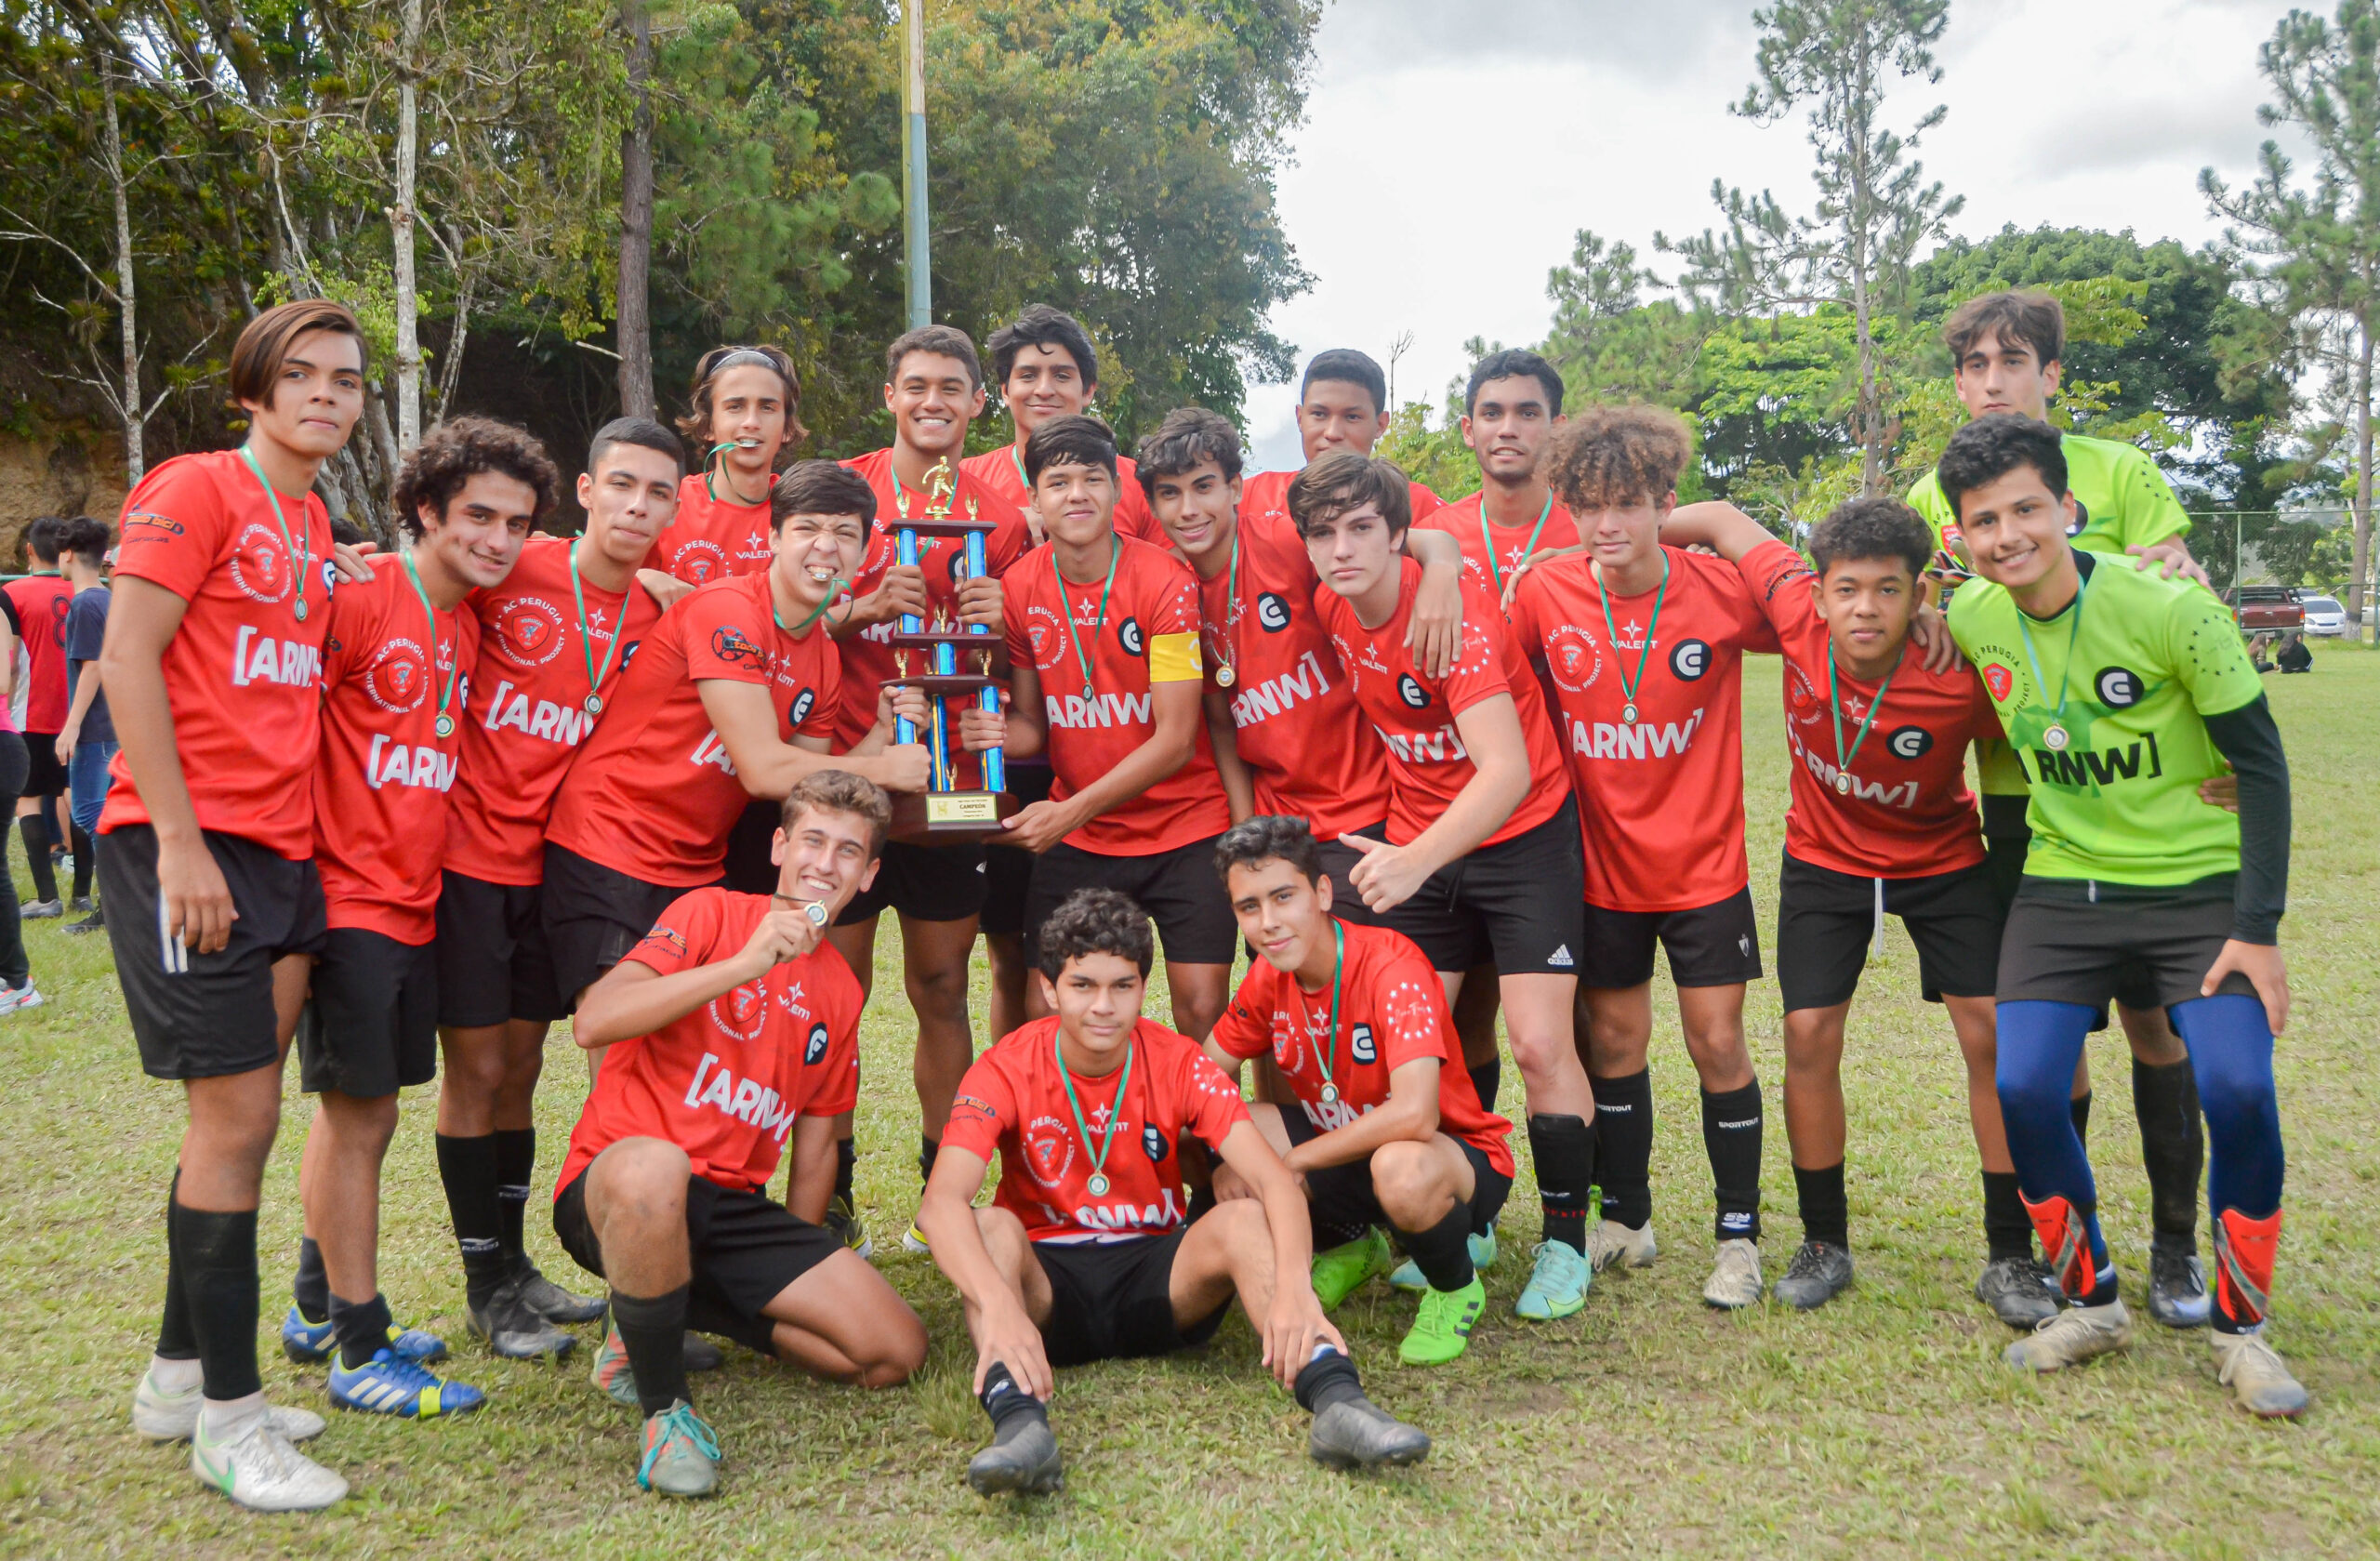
1173, 659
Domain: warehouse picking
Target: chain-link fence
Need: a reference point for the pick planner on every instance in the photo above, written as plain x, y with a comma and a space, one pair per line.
2311, 547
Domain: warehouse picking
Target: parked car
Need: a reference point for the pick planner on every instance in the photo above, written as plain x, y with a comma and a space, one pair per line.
2324, 618
2265, 609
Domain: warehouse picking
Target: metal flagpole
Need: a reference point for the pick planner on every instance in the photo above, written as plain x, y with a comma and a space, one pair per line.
913, 167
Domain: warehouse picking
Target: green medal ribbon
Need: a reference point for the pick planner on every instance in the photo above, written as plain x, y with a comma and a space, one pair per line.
1066, 609
2056, 738
297, 563
1097, 1185
1228, 673
445, 725
1329, 1061
1834, 698
595, 676
710, 474
1488, 542
1628, 685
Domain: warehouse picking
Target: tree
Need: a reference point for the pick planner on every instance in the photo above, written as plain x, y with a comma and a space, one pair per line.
632, 320
1832, 55
2322, 243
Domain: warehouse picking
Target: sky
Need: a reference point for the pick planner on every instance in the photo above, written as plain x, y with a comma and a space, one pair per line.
1452, 147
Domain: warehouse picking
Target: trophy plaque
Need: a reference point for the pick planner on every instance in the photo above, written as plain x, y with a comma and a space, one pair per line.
961, 661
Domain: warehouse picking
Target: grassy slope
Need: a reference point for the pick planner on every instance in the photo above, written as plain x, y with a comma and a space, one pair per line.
1881, 1425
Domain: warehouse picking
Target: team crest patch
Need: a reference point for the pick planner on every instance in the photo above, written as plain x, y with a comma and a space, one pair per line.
528, 629
1572, 658
1048, 1150
740, 1014
399, 678
2000, 678
258, 566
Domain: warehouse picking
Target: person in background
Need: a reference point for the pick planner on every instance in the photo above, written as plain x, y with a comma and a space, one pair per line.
86, 743
35, 608
2294, 656
16, 972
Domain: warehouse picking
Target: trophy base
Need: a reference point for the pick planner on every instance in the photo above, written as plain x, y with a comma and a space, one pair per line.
950, 817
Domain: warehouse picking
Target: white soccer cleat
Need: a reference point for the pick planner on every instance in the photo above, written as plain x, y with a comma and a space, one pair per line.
161, 1416
1734, 1282
1611, 1244
260, 1471
2075, 1335
2257, 1377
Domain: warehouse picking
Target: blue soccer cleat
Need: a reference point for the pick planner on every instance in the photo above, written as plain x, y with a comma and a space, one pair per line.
308, 1343
388, 1385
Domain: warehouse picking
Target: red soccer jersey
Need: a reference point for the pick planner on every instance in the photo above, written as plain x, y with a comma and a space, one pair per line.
243, 673
1013, 1101
1294, 719
1267, 493
1392, 1010
381, 791
652, 793
1909, 812
712, 538
1149, 636
529, 712
1490, 559
1661, 799
725, 1083
867, 657
1002, 473
37, 607
1414, 713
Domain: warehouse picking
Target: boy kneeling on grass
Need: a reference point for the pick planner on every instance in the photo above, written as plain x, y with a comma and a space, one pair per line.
1089, 1251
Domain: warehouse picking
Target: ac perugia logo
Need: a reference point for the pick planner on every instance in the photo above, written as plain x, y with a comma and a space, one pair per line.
1129, 635
1359, 1041
1271, 612
801, 704
1909, 741
1998, 679
2119, 687
1153, 1144
1689, 659
1411, 692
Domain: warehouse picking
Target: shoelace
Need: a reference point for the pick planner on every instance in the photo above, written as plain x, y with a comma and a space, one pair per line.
2240, 1356
402, 1373
1807, 1261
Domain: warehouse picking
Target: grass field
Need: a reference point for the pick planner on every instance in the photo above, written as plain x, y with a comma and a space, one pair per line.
1883, 1424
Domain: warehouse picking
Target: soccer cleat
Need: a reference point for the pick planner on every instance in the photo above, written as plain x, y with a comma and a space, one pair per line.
81, 903
1342, 1270
680, 1453
610, 1371
1023, 1459
1611, 1244
1819, 1271
1441, 1329
2019, 1292
2177, 1295
1408, 1276
95, 922
1357, 1433
699, 1353
43, 910
389, 1384
308, 1343
515, 1329
1557, 1285
12, 999
913, 1240
844, 1220
259, 1470
160, 1416
552, 1301
1735, 1280
2257, 1377
2075, 1335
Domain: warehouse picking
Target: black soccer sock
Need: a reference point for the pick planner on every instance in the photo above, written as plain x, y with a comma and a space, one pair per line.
1326, 1380
846, 1169
82, 846
36, 829
2079, 1109
1624, 1147
361, 1328
1488, 1078
176, 1339
516, 1164
312, 1289
1731, 1124
1443, 1251
219, 1260
1008, 1403
2008, 1229
2173, 1147
1825, 1212
467, 1166
1328, 1234
653, 1329
929, 1148
1564, 1148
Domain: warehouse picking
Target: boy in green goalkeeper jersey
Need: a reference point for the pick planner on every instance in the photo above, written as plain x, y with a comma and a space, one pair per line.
2123, 694
2007, 347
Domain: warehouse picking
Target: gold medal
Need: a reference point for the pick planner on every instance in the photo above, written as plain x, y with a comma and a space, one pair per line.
1843, 782
1224, 677
1628, 714
1097, 1185
593, 704
300, 609
445, 726
1330, 1094
2055, 739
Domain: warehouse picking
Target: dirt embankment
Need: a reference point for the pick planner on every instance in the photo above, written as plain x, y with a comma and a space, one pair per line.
63, 471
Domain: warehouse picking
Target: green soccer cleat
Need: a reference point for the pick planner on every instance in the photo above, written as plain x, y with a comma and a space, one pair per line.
1342, 1270
1558, 1286
680, 1453
1483, 1257
1441, 1330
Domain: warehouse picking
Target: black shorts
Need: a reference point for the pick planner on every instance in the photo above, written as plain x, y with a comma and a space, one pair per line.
1178, 888
1114, 1300
746, 1249
44, 776
1007, 869
593, 915
923, 882
2062, 945
1342, 1195
493, 960
371, 1027
1717, 944
215, 1018
2009, 840
1514, 902
1339, 859
750, 871
1825, 920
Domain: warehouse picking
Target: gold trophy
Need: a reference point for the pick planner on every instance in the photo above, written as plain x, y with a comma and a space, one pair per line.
945, 813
